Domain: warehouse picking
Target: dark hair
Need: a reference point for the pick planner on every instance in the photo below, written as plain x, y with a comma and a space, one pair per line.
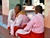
39, 9
19, 6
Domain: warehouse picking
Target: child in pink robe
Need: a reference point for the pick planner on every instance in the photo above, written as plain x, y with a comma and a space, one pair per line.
20, 22
35, 26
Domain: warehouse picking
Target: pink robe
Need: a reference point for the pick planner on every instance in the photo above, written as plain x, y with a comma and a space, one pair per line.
36, 25
20, 21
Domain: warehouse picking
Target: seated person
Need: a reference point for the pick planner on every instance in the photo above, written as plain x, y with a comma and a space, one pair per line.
20, 22
12, 15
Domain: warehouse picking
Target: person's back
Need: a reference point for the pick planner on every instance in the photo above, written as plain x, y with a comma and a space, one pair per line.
37, 23
38, 27
22, 19
25, 20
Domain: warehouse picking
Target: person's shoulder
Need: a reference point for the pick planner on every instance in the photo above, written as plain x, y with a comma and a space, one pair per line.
11, 9
34, 17
20, 15
22, 12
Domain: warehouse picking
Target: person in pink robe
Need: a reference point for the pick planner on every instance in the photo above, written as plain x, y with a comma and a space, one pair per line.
20, 22
35, 27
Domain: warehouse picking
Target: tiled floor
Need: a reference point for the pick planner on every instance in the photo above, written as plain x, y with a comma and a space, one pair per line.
1, 22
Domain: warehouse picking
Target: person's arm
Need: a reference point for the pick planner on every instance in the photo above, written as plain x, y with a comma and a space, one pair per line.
9, 18
30, 24
10, 15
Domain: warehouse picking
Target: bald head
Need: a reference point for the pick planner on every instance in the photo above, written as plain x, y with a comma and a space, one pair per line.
38, 9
